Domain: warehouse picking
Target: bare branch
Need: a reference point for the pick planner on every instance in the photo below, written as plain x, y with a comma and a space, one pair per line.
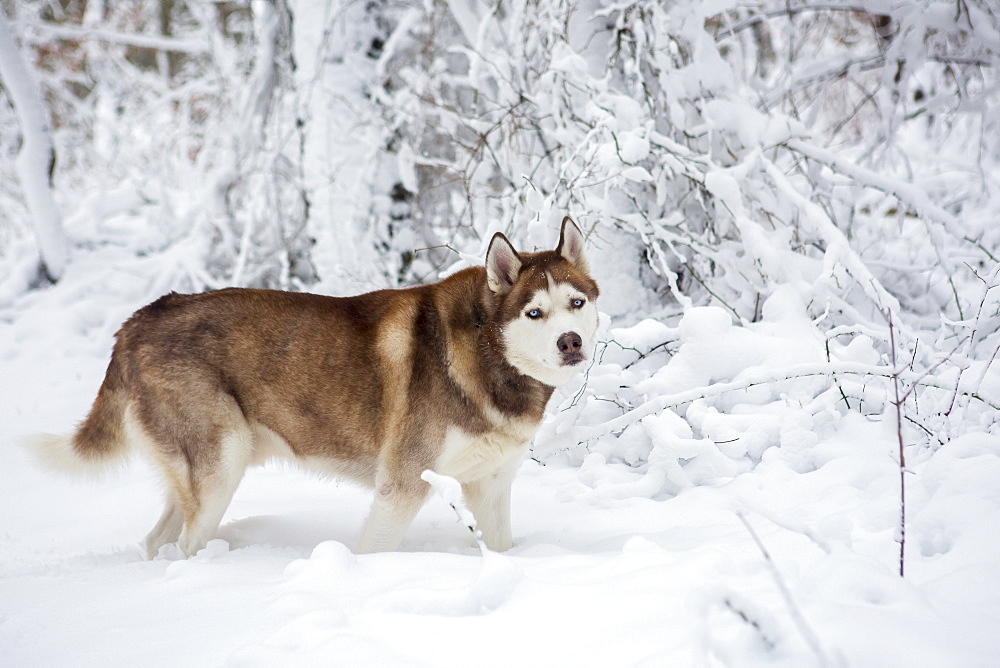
898, 403
793, 609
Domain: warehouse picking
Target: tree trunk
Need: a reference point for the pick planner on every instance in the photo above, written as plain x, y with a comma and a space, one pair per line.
36, 159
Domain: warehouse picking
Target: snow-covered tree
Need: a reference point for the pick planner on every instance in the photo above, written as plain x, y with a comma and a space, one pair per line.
36, 159
716, 154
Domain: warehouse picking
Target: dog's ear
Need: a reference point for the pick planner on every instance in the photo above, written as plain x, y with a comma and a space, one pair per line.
503, 264
571, 244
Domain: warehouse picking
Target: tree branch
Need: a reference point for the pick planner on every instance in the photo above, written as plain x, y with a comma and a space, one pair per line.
582, 434
793, 609
154, 42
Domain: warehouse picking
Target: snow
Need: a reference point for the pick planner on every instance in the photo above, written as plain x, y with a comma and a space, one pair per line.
616, 563
36, 155
719, 488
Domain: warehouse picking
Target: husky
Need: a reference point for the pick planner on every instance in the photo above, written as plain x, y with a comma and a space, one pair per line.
452, 377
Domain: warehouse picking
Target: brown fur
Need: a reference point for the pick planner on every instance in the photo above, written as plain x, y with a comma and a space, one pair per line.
368, 385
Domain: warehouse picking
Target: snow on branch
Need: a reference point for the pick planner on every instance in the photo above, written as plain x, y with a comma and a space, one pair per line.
154, 42
36, 160
907, 193
758, 17
450, 491
581, 434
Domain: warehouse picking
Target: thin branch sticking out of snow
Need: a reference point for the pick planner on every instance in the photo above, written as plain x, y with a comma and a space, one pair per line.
450, 490
898, 403
800, 622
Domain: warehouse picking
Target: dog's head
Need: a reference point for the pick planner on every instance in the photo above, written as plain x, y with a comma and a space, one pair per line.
547, 311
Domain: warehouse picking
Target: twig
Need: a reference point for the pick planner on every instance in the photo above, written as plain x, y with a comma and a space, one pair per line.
991, 285
643, 356
907, 193
789, 11
800, 622
898, 403
580, 434
932, 369
840, 387
703, 284
450, 492
750, 621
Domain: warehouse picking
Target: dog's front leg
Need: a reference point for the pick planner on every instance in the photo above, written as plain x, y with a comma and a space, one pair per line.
393, 510
489, 500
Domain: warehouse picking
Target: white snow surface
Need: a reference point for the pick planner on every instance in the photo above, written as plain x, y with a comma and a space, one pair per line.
630, 548
707, 493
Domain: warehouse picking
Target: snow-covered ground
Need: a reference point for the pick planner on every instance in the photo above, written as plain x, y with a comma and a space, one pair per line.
755, 525
711, 492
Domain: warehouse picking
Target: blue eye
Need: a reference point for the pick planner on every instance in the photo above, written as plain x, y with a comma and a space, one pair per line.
534, 314
578, 303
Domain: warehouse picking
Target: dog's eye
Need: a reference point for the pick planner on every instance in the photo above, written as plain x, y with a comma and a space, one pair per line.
534, 314
578, 303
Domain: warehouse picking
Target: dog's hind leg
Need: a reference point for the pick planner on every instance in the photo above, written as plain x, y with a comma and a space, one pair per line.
212, 490
168, 529
203, 449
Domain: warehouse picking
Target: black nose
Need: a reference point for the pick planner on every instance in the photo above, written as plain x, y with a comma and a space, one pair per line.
569, 343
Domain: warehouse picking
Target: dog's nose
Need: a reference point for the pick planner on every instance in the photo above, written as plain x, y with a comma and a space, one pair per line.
569, 343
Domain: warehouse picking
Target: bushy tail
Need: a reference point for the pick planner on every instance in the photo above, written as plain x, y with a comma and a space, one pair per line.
100, 441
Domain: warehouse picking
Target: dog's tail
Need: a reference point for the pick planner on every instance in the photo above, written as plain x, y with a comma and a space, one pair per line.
99, 443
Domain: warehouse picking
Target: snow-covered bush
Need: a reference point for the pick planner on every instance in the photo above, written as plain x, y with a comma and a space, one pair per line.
799, 170
171, 122
766, 186
831, 157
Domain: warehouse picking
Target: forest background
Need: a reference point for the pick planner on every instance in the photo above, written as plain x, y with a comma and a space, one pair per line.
790, 206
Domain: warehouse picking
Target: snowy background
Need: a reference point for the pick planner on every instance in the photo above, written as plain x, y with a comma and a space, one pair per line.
765, 186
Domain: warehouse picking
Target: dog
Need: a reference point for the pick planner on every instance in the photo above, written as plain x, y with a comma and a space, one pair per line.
452, 377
